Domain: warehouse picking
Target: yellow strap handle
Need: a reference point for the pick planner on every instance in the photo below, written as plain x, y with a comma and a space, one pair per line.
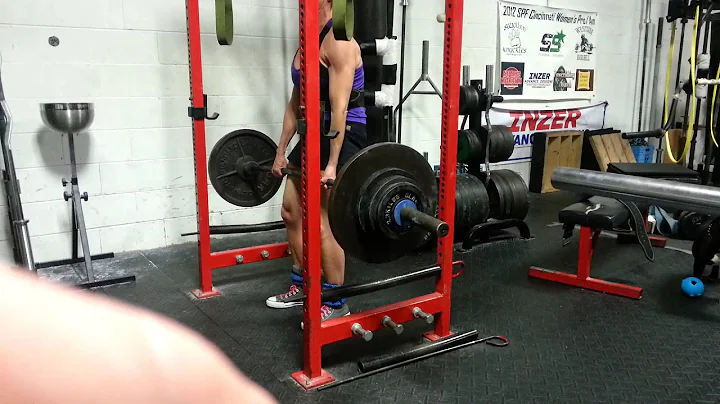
691, 118
712, 110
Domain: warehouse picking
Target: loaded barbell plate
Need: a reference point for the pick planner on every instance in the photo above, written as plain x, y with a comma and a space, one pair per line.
343, 15
229, 154
345, 212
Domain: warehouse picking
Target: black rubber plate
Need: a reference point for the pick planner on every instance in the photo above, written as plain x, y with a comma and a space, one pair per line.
345, 195
253, 190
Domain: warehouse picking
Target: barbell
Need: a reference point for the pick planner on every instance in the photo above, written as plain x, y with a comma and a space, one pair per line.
380, 206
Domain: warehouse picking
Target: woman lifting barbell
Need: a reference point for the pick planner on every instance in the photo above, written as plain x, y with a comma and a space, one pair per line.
342, 80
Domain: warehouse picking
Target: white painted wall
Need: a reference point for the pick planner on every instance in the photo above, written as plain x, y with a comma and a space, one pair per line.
129, 57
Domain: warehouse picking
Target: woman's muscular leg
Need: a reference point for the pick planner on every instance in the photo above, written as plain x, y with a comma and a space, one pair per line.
333, 256
291, 213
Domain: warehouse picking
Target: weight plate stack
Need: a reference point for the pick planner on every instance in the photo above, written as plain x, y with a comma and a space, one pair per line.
472, 203
472, 207
469, 100
470, 148
508, 193
502, 143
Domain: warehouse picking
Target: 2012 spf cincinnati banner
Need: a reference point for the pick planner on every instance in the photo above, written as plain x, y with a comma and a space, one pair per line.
547, 53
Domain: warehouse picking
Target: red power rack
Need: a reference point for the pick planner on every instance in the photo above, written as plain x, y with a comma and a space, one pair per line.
317, 334
208, 260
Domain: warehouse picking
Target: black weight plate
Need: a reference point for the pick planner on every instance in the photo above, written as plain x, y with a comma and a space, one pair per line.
498, 190
464, 146
472, 203
245, 191
477, 147
470, 147
346, 193
482, 136
502, 143
519, 194
463, 194
469, 100
480, 204
690, 224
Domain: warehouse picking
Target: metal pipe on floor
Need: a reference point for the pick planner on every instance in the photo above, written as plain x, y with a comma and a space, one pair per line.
497, 341
648, 191
387, 360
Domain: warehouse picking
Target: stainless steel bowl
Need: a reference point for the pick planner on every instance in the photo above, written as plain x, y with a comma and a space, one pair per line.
68, 117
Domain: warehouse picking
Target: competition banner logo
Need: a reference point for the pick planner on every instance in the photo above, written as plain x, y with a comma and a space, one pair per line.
539, 80
552, 43
584, 80
563, 79
512, 78
584, 48
514, 32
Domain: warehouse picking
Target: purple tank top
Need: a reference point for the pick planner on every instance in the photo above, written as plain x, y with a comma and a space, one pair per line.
357, 115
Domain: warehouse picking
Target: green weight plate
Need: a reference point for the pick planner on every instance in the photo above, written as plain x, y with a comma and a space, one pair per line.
224, 21
343, 15
227, 176
350, 189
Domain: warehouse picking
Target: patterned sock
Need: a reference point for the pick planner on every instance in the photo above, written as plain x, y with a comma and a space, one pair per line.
334, 304
296, 276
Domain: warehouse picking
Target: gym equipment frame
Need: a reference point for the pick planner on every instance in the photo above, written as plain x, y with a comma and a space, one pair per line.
432, 307
209, 261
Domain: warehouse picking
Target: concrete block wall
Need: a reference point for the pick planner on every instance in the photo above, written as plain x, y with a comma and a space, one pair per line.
129, 57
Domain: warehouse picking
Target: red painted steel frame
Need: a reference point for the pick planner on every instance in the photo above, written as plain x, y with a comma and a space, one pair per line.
317, 334
312, 374
208, 261
583, 279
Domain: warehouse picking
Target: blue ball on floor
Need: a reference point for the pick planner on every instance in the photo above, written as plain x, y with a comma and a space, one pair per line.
693, 287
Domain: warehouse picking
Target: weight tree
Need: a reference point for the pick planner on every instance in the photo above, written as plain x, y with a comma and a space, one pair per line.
431, 306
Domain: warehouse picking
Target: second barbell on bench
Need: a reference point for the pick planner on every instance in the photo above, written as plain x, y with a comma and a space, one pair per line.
380, 205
